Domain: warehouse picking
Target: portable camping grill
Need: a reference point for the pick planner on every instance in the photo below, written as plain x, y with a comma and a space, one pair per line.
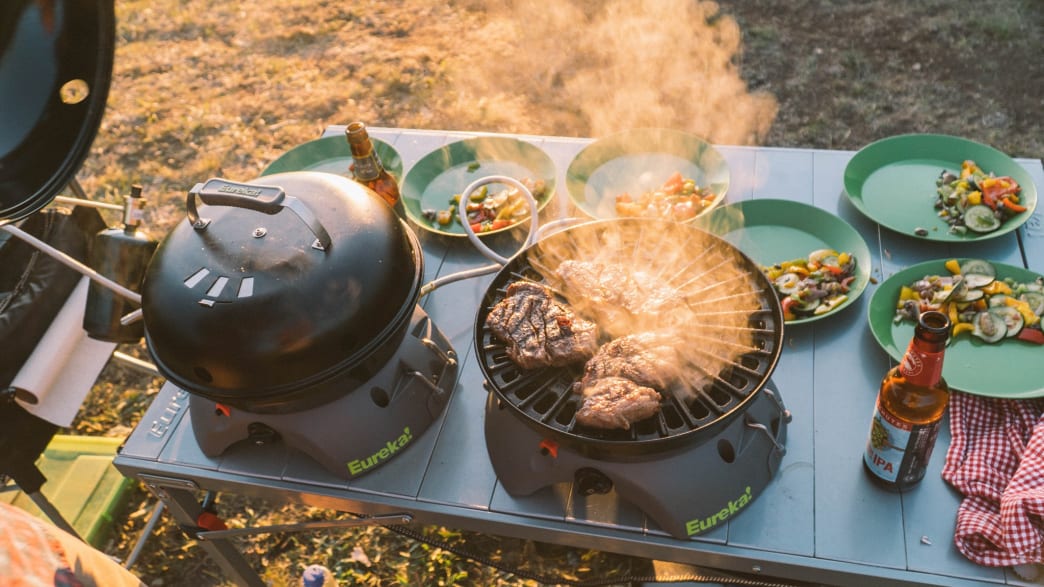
708, 452
288, 308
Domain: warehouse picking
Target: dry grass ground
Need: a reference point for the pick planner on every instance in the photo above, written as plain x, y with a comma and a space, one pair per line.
205, 89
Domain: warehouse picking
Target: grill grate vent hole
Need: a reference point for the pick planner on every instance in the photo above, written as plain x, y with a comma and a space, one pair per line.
545, 403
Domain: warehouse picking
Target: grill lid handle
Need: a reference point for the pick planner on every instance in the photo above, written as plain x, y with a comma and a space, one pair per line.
267, 199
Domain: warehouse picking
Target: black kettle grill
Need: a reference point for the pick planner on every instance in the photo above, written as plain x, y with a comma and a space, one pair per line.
287, 307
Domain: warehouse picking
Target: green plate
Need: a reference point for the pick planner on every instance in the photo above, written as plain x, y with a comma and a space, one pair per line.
892, 182
439, 175
640, 160
773, 231
1008, 369
332, 155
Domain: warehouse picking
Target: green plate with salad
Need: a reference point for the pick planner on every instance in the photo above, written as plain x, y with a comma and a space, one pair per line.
652, 172
1009, 368
778, 232
431, 187
332, 155
896, 183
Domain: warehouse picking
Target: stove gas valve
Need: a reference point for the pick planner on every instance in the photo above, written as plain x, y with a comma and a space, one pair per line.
591, 481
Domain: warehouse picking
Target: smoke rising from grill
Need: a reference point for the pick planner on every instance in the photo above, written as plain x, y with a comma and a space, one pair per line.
607, 66
660, 277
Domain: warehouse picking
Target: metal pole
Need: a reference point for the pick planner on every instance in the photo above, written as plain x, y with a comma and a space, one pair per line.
73, 263
157, 513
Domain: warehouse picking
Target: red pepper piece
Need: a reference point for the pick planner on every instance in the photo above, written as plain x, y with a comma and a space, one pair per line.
1031, 335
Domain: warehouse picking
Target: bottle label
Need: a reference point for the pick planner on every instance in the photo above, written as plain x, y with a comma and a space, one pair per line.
898, 451
921, 367
367, 168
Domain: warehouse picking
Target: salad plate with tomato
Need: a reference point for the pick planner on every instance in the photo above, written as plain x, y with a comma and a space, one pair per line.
432, 188
996, 345
648, 172
818, 264
940, 187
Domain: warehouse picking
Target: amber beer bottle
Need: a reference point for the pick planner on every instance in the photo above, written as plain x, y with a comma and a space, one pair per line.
910, 407
368, 170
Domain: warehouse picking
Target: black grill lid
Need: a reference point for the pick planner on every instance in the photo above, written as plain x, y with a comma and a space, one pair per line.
544, 397
278, 285
55, 68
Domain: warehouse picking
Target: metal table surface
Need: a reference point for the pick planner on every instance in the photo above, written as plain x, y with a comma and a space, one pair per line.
820, 520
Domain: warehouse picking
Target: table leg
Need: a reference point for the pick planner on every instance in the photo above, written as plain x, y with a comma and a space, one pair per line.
179, 497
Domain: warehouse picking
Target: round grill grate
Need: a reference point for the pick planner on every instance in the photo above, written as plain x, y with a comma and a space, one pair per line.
545, 398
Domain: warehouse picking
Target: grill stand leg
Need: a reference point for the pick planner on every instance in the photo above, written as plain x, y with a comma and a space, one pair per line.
179, 497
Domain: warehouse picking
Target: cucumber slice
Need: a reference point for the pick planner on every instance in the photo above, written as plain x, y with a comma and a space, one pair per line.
1035, 299
788, 283
970, 295
989, 326
998, 300
980, 219
978, 266
824, 257
806, 307
977, 280
1011, 317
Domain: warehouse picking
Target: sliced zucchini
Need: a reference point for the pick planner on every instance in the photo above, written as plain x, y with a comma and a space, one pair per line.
998, 300
970, 295
1011, 317
1035, 299
980, 218
806, 307
824, 257
989, 326
978, 266
788, 283
977, 280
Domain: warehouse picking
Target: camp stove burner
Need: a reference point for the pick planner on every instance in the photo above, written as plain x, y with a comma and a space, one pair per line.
364, 427
686, 491
718, 437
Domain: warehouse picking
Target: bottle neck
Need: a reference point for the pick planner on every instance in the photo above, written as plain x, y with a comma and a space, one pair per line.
922, 363
366, 168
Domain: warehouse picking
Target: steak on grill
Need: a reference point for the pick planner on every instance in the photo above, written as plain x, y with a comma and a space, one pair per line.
616, 402
620, 298
647, 358
619, 380
540, 331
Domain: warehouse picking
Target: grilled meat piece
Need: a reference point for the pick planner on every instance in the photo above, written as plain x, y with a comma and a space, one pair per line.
620, 298
617, 386
616, 402
647, 358
539, 330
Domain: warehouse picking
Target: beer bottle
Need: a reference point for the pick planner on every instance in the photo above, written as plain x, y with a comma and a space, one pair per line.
368, 170
910, 407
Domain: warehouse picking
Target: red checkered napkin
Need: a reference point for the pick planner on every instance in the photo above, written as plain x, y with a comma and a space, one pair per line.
996, 459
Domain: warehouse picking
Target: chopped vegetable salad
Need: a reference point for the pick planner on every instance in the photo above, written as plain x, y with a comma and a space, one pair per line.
978, 303
813, 285
976, 201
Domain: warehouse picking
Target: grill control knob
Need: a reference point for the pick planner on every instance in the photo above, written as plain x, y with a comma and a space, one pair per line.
261, 434
591, 481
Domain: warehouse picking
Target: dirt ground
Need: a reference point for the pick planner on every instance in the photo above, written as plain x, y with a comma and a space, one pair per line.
204, 89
